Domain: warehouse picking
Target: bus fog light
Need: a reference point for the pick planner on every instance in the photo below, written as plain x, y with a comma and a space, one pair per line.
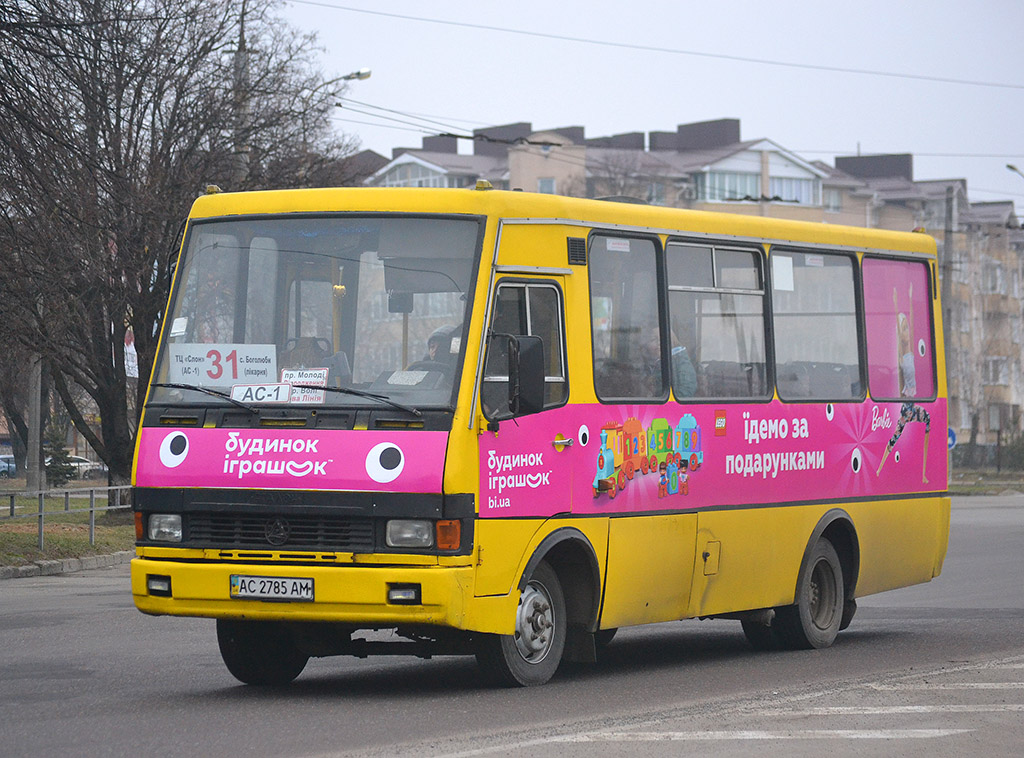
404, 594
409, 533
165, 527
158, 585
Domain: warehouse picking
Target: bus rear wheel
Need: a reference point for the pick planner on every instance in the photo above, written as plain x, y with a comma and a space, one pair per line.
530, 656
814, 621
259, 652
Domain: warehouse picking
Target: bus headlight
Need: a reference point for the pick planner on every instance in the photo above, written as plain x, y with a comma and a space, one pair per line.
410, 533
165, 527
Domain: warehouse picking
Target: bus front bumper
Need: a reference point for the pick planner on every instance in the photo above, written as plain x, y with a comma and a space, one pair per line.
349, 594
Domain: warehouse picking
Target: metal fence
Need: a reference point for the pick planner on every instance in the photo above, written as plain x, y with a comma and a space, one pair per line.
117, 498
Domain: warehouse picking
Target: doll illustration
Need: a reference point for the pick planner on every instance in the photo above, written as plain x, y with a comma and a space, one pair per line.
909, 411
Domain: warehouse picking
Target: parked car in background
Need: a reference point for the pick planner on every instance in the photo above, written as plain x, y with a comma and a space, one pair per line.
83, 468
86, 469
8, 468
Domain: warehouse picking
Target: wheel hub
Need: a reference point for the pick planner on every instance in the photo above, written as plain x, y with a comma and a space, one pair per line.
534, 623
822, 595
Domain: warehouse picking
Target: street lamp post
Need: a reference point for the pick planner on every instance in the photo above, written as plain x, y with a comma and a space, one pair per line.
363, 73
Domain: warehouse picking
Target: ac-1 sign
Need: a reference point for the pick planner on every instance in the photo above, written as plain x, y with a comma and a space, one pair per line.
262, 393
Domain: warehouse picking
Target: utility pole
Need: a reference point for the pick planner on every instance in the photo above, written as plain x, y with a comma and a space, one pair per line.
242, 116
34, 472
946, 272
946, 293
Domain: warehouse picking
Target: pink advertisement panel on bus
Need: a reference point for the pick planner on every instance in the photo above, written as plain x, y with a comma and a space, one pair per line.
643, 458
309, 459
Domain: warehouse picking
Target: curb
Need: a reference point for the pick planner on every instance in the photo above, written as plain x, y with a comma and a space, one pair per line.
66, 566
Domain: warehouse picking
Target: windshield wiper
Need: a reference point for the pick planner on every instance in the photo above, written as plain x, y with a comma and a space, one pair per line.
342, 390
362, 393
207, 391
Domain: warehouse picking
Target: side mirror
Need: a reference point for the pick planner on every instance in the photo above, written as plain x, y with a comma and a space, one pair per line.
525, 375
399, 302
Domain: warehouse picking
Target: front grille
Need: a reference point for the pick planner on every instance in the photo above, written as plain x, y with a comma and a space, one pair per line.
336, 533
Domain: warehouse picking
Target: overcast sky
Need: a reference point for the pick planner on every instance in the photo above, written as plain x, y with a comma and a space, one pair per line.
942, 80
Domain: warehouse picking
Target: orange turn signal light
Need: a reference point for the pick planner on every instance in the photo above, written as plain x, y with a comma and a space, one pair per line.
449, 534
138, 526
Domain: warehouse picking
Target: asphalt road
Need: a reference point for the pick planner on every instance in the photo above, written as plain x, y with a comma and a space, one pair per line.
932, 670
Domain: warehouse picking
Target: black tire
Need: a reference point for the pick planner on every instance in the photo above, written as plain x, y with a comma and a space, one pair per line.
760, 636
531, 655
259, 652
814, 621
603, 637
849, 609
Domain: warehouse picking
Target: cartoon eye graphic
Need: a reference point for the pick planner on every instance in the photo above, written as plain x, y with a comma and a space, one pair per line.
921, 348
855, 460
385, 462
584, 435
173, 449
896, 457
830, 411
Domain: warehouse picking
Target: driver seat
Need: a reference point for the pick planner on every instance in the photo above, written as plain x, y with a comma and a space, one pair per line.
305, 353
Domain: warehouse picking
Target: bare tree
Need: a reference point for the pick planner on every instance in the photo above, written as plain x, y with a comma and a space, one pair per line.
616, 173
114, 114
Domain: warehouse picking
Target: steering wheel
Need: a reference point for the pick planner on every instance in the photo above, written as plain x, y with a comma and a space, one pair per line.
321, 343
444, 368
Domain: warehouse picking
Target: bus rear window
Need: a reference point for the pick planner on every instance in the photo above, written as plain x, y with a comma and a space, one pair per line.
898, 324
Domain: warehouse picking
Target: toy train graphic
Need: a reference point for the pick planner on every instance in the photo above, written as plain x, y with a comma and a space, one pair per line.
629, 448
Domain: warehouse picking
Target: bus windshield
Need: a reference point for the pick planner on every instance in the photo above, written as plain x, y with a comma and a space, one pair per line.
268, 310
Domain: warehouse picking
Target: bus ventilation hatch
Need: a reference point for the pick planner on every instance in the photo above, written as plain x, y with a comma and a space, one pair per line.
577, 251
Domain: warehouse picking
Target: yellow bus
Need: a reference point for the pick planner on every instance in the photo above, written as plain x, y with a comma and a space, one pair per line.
507, 424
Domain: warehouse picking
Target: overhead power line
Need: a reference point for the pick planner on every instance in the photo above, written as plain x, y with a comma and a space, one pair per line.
450, 130
667, 50
916, 154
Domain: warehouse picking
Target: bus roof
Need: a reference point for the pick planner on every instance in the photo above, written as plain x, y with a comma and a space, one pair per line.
537, 207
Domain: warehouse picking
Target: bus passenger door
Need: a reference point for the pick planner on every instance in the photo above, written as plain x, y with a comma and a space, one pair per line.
526, 462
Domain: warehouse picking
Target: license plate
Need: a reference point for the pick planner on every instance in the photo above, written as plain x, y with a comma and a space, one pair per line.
271, 588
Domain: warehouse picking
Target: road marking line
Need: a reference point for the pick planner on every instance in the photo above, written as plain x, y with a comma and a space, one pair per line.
717, 736
762, 734
949, 686
854, 710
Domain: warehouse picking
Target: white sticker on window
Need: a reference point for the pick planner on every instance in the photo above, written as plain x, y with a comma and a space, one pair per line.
223, 364
407, 378
782, 273
179, 327
308, 377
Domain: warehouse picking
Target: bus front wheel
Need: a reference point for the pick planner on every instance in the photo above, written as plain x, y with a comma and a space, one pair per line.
530, 655
814, 621
259, 652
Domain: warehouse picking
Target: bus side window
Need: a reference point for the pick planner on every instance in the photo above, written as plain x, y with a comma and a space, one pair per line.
629, 345
817, 354
898, 329
524, 309
717, 310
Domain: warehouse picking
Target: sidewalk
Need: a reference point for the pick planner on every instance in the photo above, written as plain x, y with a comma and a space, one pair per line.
66, 566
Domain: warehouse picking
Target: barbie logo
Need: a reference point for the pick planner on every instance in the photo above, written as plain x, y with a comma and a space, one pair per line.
880, 421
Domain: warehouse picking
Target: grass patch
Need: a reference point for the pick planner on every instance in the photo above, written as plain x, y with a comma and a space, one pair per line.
985, 481
65, 533
19, 541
